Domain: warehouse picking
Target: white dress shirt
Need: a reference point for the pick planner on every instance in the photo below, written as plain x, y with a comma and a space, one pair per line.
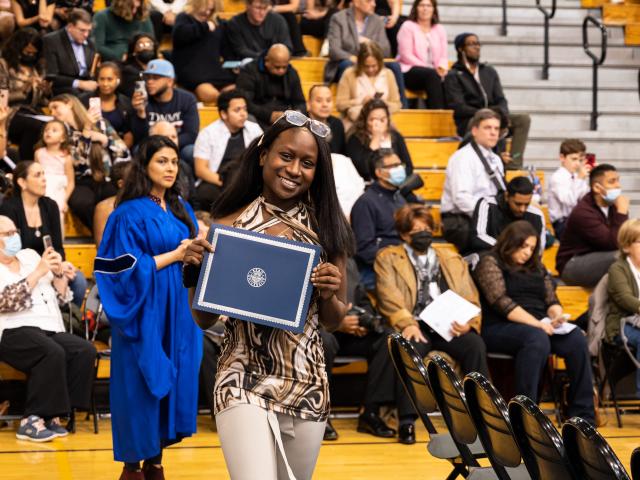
211, 142
565, 189
467, 181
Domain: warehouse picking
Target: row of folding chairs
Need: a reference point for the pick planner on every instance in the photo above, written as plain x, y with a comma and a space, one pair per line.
517, 438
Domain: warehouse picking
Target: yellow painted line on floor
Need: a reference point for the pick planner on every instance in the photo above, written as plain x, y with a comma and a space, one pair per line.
62, 459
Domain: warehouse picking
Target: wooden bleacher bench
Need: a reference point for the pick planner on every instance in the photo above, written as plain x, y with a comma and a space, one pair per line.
7, 372
233, 6
620, 14
82, 256
434, 182
430, 153
74, 228
310, 69
312, 44
424, 123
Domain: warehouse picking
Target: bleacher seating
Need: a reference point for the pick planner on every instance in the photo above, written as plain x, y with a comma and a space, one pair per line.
625, 14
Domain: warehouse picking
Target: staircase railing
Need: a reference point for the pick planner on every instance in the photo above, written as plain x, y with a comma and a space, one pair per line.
504, 25
597, 61
548, 15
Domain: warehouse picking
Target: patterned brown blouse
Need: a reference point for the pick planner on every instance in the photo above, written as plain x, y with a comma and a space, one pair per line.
268, 367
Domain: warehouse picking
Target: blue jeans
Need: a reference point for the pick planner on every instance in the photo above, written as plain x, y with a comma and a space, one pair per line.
531, 346
79, 287
393, 66
633, 340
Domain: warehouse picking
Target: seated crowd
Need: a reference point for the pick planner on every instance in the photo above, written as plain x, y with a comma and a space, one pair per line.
84, 90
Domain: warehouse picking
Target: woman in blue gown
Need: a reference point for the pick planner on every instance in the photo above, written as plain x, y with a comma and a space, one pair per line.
156, 346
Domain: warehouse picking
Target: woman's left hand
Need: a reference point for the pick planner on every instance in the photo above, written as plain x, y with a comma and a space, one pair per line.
327, 278
391, 21
69, 271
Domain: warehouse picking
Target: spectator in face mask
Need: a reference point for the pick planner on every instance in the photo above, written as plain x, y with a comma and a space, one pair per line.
589, 243
142, 49
372, 214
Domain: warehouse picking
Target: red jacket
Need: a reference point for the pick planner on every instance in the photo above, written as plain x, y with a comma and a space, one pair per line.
588, 230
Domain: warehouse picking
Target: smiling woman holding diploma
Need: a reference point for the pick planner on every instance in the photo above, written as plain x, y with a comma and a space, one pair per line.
409, 277
271, 393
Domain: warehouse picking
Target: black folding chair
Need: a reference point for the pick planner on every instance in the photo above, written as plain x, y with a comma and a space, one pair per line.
489, 413
589, 453
617, 365
449, 395
540, 443
635, 464
413, 375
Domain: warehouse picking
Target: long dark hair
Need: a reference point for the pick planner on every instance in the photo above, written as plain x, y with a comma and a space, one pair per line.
21, 171
511, 239
246, 184
413, 13
359, 128
138, 184
16, 43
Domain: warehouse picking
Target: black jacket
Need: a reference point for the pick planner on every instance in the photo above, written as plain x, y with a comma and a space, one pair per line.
197, 52
337, 141
362, 156
372, 221
492, 215
267, 93
62, 66
465, 97
250, 41
50, 214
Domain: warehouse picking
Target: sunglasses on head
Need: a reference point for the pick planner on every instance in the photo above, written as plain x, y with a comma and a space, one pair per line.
301, 120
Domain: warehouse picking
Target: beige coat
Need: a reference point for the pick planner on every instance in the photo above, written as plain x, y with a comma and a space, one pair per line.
396, 284
350, 94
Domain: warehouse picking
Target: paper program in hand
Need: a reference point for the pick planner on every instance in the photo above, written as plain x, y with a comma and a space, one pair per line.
562, 329
445, 309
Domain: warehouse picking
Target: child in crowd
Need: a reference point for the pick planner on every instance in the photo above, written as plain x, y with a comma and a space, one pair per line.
568, 183
53, 154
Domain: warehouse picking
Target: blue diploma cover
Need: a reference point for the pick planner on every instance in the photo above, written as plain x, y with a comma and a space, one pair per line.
257, 278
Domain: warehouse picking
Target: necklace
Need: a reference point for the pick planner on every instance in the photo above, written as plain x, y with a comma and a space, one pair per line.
156, 200
33, 214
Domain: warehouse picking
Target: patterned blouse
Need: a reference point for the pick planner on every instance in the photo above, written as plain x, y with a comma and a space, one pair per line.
268, 367
80, 149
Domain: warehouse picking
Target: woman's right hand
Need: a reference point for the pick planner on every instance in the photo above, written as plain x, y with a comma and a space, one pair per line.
51, 261
413, 332
195, 250
547, 328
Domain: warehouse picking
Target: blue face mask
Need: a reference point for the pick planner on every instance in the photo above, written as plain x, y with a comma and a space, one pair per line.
397, 175
611, 195
12, 245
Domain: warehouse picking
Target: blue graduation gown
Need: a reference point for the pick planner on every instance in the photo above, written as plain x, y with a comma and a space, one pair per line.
156, 346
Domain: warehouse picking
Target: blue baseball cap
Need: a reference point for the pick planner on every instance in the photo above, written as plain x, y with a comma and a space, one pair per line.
160, 67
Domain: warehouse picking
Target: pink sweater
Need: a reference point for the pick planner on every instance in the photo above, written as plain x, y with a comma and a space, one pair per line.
413, 47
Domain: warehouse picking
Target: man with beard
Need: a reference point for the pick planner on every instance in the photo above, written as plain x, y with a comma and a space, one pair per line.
166, 103
492, 214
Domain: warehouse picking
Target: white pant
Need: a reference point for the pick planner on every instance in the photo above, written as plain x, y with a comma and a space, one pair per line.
257, 443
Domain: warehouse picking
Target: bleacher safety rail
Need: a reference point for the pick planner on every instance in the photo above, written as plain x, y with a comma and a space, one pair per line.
548, 15
597, 61
504, 25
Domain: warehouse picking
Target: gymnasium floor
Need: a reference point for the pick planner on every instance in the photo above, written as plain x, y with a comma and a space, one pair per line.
354, 456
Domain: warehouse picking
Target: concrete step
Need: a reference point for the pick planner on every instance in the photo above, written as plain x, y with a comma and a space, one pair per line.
608, 76
523, 30
532, 52
582, 96
576, 119
481, 12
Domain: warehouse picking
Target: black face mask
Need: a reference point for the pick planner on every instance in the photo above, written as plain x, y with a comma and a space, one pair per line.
28, 59
421, 241
145, 56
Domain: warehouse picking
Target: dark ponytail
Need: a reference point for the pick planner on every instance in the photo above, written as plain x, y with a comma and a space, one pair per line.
21, 171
